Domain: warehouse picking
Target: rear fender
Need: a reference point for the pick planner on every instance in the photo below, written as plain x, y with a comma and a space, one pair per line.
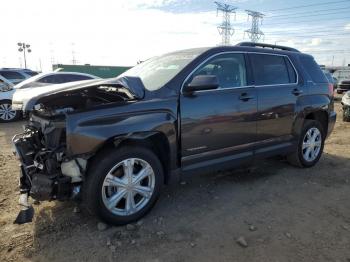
307, 105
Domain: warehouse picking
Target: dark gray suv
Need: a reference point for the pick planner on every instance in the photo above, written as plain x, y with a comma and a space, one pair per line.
115, 142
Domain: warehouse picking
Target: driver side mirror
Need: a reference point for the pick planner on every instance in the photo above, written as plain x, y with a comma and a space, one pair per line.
201, 82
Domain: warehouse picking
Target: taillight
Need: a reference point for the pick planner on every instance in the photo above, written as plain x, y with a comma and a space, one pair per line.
330, 89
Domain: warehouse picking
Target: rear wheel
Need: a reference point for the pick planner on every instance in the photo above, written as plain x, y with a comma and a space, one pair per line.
7, 114
123, 184
346, 114
310, 145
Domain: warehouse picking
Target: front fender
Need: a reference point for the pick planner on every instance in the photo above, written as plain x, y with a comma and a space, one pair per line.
87, 131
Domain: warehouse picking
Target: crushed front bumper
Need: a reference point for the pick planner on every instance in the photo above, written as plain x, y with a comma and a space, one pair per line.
41, 176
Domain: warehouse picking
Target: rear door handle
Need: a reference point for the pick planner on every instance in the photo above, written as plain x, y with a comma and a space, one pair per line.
297, 92
245, 97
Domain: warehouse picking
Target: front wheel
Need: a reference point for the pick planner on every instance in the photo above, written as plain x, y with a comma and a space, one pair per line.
123, 184
7, 114
310, 145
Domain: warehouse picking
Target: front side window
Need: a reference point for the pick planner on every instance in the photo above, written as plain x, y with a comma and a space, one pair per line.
229, 69
272, 70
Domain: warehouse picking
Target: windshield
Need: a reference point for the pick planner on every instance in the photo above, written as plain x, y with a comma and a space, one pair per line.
157, 71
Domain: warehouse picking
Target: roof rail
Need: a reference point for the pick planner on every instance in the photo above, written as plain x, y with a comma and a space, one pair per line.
280, 47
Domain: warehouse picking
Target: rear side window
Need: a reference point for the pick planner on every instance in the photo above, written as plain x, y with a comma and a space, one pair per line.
313, 69
62, 78
72, 78
51, 79
31, 73
272, 70
12, 75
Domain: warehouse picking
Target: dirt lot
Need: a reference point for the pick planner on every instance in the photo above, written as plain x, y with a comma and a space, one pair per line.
283, 213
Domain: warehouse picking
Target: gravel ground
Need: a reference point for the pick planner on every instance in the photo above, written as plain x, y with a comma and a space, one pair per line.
271, 212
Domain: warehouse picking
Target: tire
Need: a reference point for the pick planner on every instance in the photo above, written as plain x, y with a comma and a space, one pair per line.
111, 167
346, 114
6, 113
299, 157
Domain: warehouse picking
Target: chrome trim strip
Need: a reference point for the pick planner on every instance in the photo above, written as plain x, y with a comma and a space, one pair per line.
282, 141
219, 160
250, 86
274, 147
217, 151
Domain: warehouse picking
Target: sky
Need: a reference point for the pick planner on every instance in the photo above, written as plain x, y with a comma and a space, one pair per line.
122, 32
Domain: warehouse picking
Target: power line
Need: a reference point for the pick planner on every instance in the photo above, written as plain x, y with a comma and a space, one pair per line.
303, 6
308, 12
317, 14
312, 35
315, 20
299, 31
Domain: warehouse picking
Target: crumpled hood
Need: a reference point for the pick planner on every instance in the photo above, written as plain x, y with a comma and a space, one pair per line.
27, 98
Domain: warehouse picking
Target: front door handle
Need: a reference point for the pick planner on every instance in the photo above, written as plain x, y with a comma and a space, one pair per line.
297, 92
245, 97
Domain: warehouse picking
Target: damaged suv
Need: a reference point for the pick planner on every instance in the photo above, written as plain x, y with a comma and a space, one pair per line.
114, 143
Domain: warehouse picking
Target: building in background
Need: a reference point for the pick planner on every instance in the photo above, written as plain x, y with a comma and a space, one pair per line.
100, 71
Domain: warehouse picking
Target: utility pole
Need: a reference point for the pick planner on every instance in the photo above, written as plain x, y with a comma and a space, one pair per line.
225, 29
74, 61
52, 53
23, 47
254, 32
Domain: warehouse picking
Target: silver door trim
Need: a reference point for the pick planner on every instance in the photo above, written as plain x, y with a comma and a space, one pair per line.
249, 86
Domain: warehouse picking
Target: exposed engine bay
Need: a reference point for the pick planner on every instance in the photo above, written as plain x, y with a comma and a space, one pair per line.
81, 99
48, 172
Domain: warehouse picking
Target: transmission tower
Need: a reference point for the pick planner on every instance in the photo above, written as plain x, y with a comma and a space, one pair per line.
225, 29
254, 32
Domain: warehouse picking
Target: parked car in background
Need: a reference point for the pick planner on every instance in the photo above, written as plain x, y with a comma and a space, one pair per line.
9, 77
117, 141
343, 86
9, 112
343, 77
346, 106
6, 92
16, 75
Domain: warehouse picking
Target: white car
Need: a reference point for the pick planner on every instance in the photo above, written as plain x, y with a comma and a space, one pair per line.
10, 111
9, 77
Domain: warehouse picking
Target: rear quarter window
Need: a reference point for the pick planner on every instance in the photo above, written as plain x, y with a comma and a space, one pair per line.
313, 69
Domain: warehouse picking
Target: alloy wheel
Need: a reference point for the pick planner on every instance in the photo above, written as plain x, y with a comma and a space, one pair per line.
128, 186
312, 144
6, 112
